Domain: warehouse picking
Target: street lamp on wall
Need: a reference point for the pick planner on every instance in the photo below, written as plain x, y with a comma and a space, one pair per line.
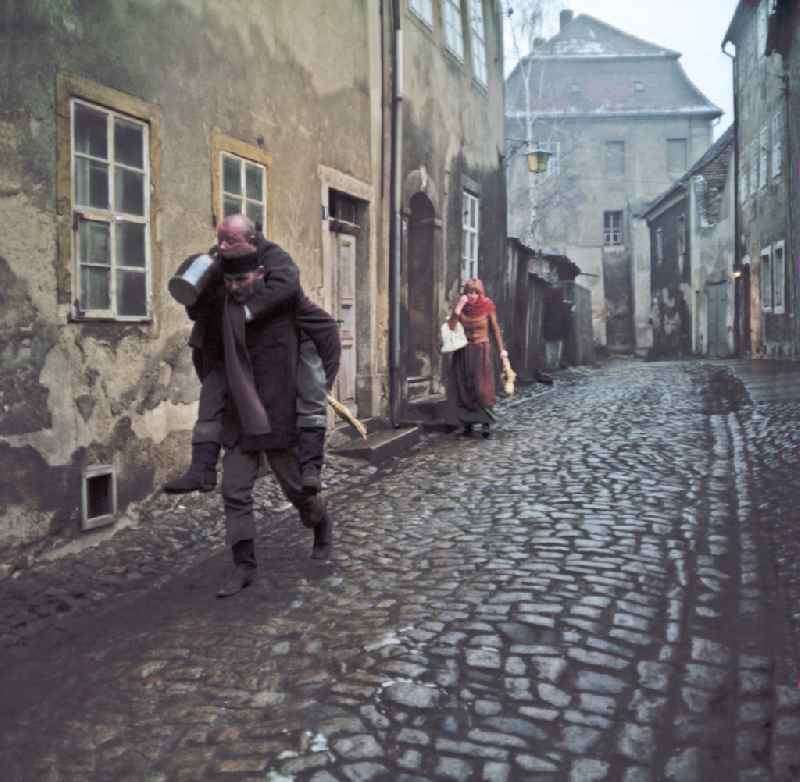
538, 160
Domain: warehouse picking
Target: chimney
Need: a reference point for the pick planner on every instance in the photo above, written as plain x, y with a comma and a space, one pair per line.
565, 17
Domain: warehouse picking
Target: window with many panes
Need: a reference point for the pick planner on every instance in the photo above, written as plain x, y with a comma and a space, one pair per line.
778, 277
110, 176
240, 181
423, 9
763, 156
453, 31
244, 188
765, 278
478, 40
469, 239
612, 228
777, 143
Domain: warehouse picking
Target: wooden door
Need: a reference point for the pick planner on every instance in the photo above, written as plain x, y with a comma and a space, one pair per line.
344, 291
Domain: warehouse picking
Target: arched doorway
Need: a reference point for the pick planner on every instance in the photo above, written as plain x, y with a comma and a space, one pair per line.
422, 328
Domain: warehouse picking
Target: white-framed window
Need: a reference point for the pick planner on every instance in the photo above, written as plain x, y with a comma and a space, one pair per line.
677, 153
779, 277
659, 245
469, 237
763, 156
777, 143
744, 179
615, 158
110, 212
554, 161
762, 29
244, 187
612, 228
422, 9
753, 158
765, 278
453, 30
478, 30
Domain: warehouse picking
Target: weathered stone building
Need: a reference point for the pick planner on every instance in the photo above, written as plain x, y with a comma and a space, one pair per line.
691, 258
784, 39
622, 121
765, 325
453, 181
128, 129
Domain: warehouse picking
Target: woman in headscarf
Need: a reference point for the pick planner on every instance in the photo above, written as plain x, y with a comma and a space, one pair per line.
471, 389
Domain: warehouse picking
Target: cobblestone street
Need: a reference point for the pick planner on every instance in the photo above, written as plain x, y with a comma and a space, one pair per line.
605, 590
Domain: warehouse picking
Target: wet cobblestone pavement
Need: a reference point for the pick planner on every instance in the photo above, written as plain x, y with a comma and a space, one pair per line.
604, 590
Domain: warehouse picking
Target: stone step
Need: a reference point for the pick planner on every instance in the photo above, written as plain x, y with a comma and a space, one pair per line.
381, 445
427, 408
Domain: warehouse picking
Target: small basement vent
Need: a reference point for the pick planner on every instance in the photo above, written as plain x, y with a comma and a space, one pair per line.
99, 496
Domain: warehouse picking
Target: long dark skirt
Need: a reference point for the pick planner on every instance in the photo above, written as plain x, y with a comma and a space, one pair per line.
470, 385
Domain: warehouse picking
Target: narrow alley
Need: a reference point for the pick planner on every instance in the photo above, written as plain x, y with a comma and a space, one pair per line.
602, 591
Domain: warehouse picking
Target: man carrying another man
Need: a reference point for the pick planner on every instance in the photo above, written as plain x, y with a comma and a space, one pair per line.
247, 333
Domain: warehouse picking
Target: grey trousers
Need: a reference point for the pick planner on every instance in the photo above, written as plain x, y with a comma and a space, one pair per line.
239, 472
312, 403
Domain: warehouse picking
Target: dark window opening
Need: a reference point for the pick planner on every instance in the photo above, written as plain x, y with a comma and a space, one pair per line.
99, 497
615, 158
342, 207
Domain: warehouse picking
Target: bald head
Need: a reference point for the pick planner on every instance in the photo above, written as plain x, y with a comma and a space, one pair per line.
236, 236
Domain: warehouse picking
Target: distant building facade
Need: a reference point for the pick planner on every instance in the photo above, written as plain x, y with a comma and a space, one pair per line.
692, 260
623, 122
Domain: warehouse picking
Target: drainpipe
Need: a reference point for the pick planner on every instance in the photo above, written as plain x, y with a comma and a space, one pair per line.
789, 248
396, 200
738, 304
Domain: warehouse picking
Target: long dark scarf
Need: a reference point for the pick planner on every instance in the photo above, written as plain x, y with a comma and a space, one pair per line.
239, 372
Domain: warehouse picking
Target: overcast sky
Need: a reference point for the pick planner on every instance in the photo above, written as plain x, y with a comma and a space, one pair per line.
693, 27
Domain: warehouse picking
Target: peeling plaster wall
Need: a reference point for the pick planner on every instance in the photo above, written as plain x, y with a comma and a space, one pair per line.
79, 394
671, 287
712, 264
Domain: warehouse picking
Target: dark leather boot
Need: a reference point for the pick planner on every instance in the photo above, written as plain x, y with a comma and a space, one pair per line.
485, 431
239, 577
202, 472
310, 455
323, 537
243, 571
311, 480
467, 430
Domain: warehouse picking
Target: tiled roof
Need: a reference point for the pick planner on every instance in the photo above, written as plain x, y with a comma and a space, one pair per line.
579, 87
586, 36
617, 75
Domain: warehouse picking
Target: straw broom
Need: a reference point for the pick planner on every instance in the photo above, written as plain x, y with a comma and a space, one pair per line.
347, 415
508, 376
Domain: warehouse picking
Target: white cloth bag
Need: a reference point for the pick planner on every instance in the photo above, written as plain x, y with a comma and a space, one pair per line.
453, 339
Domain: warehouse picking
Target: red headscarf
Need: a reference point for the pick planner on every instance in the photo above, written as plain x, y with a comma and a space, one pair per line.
483, 304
